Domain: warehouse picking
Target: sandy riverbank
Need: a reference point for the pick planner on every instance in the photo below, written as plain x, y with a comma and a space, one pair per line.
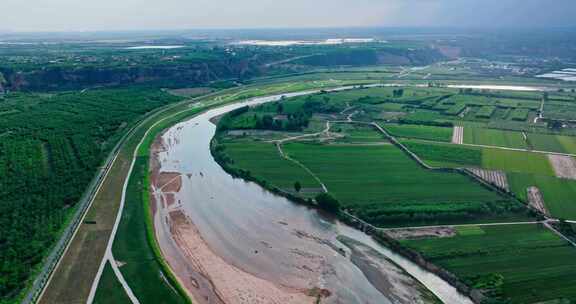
206, 275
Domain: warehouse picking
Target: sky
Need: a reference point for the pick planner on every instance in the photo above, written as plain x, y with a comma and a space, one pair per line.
89, 15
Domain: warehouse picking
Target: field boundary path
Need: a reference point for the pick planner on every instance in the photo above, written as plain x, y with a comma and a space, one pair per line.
464, 225
109, 256
498, 147
551, 228
280, 142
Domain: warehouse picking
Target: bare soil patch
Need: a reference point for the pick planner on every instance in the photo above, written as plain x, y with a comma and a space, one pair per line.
496, 178
536, 200
169, 181
191, 92
458, 135
421, 233
564, 166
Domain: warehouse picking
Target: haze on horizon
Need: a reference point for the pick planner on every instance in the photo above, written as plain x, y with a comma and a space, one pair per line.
103, 15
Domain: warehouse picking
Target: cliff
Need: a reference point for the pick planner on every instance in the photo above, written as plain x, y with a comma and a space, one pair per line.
166, 74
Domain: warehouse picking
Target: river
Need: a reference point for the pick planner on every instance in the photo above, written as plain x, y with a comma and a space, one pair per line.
231, 241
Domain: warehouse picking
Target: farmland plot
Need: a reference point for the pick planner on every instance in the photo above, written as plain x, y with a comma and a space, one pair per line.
486, 112
559, 194
496, 178
382, 185
546, 142
523, 263
493, 137
419, 131
536, 200
519, 114
458, 135
516, 161
446, 155
264, 162
564, 166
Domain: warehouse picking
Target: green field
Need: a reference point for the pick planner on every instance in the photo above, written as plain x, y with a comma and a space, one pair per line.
559, 194
516, 161
353, 133
422, 115
443, 134
455, 109
446, 155
486, 112
568, 142
492, 137
519, 114
385, 186
553, 143
469, 230
525, 263
132, 246
265, 163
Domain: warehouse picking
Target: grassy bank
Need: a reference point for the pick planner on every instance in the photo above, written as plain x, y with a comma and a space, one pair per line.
109, 289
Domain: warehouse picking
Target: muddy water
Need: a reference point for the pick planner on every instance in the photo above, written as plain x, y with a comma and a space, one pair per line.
266, 235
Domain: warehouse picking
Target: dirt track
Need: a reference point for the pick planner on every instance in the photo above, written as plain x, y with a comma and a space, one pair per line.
564, 166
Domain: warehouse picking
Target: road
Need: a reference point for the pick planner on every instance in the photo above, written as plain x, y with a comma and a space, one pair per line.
109, 256
63, 248
501, 148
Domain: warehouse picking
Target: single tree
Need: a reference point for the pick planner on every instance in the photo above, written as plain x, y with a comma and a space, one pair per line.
297, 186
328, 202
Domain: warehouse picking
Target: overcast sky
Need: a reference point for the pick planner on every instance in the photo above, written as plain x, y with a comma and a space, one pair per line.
66, 15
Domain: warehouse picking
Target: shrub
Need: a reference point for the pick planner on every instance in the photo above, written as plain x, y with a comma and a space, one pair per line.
328, 202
